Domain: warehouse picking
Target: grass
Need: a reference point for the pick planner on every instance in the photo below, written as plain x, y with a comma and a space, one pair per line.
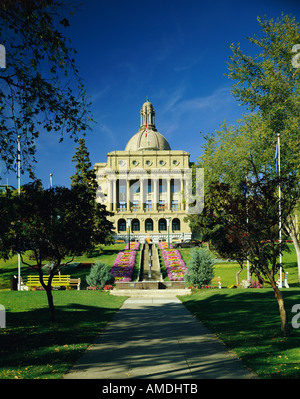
248, 322
32, 347
107, 254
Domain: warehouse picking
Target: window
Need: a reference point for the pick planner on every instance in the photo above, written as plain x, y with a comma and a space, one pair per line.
175, 205
122, 225
135, 206
148, 205
161, 205
162, 186
135, 226
162, 224
176, 224
149, 187
149, 225
122, 206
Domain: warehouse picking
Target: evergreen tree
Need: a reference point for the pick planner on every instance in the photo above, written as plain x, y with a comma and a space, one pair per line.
99, 275
85, 175
200, 267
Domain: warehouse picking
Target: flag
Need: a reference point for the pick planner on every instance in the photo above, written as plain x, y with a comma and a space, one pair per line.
16, 163
276, 156
245, 189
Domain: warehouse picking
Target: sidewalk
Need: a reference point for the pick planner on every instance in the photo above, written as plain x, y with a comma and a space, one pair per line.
157, 337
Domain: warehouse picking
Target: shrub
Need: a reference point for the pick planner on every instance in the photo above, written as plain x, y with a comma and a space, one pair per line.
99, 276
200, 267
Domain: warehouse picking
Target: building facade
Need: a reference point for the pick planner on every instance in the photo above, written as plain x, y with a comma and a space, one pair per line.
144, 185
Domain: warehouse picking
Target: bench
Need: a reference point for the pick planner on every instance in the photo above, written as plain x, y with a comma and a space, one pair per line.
119, 241
75, 282
284, 280
57, 281
216, 281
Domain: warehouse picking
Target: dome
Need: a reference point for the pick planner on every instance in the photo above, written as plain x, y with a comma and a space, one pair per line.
147, 138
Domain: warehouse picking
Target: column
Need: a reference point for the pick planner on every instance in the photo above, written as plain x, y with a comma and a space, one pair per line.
109, 194
128, 194
114, 195
168, 199
155, 192
142, 194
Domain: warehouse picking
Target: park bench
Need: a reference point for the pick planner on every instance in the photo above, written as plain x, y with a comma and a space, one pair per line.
284, 280
216, 281
57, 281
119, 241
75, 282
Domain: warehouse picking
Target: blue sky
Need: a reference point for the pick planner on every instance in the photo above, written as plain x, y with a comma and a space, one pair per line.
172, 51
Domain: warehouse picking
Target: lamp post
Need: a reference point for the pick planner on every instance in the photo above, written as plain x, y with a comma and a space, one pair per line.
128, 225
168, 225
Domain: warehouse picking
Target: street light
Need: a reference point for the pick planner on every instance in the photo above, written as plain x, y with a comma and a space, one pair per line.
128, 226
168, 224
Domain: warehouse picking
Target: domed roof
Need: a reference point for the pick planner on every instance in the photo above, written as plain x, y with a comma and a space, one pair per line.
147, 138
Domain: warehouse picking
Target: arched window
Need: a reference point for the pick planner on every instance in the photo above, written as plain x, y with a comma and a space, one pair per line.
122, 225
162, 225
135, 225
149, 225
175, 224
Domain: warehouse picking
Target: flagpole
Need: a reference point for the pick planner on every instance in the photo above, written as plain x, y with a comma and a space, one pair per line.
279, 195
19, 192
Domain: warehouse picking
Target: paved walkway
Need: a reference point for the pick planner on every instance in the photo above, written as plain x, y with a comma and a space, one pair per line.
157, 337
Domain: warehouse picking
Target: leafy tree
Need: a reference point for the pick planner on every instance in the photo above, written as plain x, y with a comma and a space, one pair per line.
99, 275
52, 224
40, 87
248, 228
200, 267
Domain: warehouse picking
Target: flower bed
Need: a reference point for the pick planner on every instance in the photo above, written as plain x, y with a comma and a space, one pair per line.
133, 246
123, 266
175, 266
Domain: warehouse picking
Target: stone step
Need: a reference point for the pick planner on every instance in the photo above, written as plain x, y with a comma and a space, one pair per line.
169, 292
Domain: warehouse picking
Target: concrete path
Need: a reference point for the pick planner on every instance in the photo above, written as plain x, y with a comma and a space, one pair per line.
153, 337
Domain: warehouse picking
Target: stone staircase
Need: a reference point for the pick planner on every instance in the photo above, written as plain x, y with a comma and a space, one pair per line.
150, 283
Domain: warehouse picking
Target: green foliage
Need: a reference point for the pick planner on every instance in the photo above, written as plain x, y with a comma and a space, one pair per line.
200, 267
41, 79
99, 275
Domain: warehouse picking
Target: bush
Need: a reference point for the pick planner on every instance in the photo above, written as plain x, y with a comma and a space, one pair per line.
99, 276
200, 267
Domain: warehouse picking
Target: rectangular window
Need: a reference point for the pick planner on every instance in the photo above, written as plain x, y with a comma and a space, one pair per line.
148, 205
174, 205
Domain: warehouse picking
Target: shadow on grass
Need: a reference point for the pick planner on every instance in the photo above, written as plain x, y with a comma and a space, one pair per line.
31, 340
249, 323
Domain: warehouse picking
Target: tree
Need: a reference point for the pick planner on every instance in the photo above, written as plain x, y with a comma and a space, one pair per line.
85, 175
99, 276
52, 224
248, 228
40, 87
269, 85
200, 267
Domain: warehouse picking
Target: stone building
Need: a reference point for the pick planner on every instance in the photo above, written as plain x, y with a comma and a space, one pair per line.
144, 185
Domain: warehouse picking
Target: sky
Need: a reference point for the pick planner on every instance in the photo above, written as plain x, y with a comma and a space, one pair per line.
173, 52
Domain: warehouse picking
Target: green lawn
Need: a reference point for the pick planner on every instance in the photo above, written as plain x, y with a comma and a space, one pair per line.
248, 322
32, 347
107, 254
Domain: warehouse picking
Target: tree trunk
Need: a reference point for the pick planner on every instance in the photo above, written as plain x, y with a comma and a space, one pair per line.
283, 316
237, 275
50, 302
